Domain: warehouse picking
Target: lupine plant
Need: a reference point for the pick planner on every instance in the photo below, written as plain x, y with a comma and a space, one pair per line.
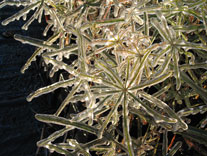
136, 60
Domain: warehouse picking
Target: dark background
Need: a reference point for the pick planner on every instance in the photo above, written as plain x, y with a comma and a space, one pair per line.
19, 130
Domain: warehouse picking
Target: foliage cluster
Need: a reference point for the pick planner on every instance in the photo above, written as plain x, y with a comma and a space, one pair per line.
136, 61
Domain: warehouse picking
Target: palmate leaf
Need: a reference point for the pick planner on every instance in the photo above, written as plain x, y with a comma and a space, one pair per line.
162, 91
99, 80
169, 33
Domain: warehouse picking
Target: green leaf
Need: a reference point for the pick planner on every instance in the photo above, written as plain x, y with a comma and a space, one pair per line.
78, 146
51, 88
180, 123
159, 27
108, 118
65, 122
195, 134
161, 54
138, 67
157, 116
59, 150
194, 86
146, 24
165, 25
192, 110
165, 65
194, 66
176, 69
104, 22
37, 52
35, 42
152, 82
189, 28
20, 13
67, 99
53, 136
66, 50
113, 75
127, 137
165, 143
90, 145
188, 45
